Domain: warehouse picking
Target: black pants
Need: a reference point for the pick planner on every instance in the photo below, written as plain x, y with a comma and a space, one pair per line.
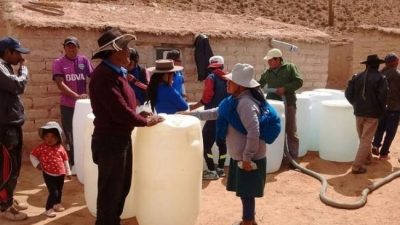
387, 124
209, 132
113, 156
10, 154
67, 113
55, 186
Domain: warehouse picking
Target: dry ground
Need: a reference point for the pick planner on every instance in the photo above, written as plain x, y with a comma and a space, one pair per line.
291, 198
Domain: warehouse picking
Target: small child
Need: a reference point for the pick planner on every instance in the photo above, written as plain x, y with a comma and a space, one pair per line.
52, 159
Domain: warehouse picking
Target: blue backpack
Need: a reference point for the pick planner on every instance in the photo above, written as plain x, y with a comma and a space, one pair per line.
270, 123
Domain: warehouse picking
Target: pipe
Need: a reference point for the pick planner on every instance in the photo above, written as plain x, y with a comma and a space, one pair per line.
284, 45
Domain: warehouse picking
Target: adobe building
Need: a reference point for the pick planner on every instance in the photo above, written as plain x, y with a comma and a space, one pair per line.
238, 38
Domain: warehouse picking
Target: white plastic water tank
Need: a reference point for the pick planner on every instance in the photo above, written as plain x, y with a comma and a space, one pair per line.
91, 175
336, 94
82, 109
316, 98
303, 121
275, 150
339, 138
168, 171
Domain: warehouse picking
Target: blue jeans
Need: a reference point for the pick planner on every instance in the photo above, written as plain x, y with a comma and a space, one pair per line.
388, 123
113, 156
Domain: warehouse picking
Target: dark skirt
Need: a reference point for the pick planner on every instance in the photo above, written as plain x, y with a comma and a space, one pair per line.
247, 184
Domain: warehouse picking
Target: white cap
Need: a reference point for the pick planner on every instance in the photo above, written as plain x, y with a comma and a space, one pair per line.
216, 61
273, 53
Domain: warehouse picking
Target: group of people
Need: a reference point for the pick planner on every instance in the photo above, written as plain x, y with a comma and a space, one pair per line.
375, 96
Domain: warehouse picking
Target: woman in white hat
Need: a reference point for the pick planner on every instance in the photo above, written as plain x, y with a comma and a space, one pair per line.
248, 152
163, 97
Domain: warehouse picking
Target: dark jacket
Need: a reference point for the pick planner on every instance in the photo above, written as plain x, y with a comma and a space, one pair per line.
202, 54
393, 96
367, 92
113, 103
11, 86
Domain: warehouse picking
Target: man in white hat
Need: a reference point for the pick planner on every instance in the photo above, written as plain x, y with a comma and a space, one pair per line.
282, 79
114, 106
12, 117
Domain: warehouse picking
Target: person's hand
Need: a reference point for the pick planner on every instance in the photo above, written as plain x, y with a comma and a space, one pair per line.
195, 106
129, 77
153, 120
39, 167
145, 114
280, 91
246, 165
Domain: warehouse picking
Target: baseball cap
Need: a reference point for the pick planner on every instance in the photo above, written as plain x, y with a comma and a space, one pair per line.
216, 61
71, 40
12, 43
273, 53
391, 57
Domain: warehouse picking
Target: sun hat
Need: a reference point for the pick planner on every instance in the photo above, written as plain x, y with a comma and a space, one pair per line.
373, 59
391, 57
12, 43
216, 61
164, 66
71, 40
273, 53
112, 40
51, 125
242, 74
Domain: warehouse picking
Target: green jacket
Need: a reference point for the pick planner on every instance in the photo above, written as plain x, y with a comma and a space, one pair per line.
288, 77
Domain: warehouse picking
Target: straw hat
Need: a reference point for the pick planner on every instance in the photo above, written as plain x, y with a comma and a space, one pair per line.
164, 66
112, 40
242, 74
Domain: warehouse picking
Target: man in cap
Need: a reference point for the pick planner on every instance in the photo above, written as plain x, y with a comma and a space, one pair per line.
114, 106
213, 93
179, 80
367, 92
71, 72
280, 81
390, 121
12, 117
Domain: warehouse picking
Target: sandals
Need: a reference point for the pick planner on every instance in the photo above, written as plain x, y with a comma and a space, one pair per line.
375, 151
360, 170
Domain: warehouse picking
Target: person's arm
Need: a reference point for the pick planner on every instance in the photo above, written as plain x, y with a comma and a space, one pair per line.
35, 161
248, 114
263, 79
176, 99
208, 94
349, 92
296, 80
66, 90
13, 83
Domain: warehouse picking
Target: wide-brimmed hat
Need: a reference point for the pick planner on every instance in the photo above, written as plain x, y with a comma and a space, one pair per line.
164, 66
12, 43
273, 53
242, 74
51, 125
112, 40
373, 60
216, 61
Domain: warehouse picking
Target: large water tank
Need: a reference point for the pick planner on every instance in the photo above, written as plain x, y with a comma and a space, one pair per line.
91, 175
82, 109
168, 171
303, 121
336, 94
338, 139
275, 150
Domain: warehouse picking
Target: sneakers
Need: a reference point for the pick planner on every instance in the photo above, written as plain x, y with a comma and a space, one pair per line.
13, 214
50, 213
19, 206
375, 150
221, 172
210, 175
58, 208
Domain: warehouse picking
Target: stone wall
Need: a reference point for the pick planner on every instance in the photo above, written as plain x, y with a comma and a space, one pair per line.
41, 99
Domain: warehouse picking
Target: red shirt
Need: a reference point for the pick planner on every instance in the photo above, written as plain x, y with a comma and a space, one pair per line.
51, 158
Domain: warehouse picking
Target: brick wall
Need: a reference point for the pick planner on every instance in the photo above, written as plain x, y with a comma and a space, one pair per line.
41, 98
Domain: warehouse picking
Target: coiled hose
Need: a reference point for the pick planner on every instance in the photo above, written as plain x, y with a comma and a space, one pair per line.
341, 205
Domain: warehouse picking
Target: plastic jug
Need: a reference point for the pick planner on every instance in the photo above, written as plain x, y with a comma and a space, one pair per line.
82, 109
168, 171
339, 138
303, 121
275, 150
91, 175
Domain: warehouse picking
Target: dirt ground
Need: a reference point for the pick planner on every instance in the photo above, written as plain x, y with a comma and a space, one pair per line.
290, 197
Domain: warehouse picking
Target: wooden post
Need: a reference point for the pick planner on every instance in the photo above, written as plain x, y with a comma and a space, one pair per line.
331, 13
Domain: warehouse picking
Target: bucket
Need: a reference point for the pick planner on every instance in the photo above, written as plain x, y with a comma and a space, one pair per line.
275, 150
91, 175
339, 138
82, 109
168, 171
